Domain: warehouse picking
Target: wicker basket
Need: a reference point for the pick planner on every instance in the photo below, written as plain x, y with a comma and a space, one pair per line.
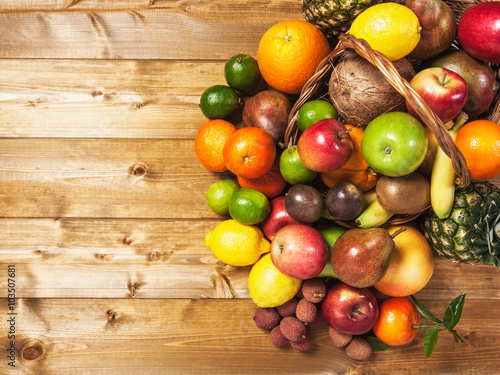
319, 81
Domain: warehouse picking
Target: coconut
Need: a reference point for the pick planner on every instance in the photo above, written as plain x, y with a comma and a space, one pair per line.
360, 92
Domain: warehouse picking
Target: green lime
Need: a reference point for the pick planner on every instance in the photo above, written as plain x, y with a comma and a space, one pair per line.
331, 234
249, 206
292, 169
219, 194
313, 111
242, 72
219, 101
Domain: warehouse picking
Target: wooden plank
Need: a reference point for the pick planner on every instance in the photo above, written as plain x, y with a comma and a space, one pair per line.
103, 178
217, 336
84, 258
178, 30
104, 98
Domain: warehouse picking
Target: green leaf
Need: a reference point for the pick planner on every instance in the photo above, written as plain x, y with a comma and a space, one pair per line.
453, 312
430, 341
425, 313
376, 343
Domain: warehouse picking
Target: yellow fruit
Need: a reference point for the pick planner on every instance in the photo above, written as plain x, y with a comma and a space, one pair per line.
389, 28
411, 265
268, 286
237, 244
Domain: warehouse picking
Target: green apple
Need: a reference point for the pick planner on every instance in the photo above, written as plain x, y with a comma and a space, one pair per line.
330, 234
394, 144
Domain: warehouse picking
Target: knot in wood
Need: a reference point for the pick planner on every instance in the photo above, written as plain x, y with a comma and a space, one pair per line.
139, 170
33, 350
111, 315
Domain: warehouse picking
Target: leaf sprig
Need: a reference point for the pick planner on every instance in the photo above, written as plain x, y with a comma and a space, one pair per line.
452, 316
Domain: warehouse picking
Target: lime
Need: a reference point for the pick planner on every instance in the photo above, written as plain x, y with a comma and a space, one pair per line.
219, 101
315, 110
242, 72
390, 28
249, 206
219, 194
269, 287
237, 244
331, 234
292, 169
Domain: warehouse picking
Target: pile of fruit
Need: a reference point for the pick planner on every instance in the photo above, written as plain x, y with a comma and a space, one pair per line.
313, 219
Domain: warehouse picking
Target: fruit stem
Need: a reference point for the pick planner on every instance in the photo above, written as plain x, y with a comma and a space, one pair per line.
358, 312
460, 121
400, 230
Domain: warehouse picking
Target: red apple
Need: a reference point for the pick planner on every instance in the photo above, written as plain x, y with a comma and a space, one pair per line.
348, 309
324, 146
277, 218
443, 90
479, 31
299, 251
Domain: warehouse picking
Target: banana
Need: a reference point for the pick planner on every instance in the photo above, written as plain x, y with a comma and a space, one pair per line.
443, 176
373, 216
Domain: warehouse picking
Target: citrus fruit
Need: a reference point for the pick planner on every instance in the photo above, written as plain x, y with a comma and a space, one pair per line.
479, 142
271, 184
219, 101
315, 110
269, 287
411, 266
237, 244
249, 206
249, 152
219, 194
356, 169
242, 72
292, 169
390, 28
397, 321
209, 143
289, 53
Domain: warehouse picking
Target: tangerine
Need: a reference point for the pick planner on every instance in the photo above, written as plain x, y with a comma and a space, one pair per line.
209, 143
356, 170
289, 53
249, 152
479, 142
397, 322
271, 184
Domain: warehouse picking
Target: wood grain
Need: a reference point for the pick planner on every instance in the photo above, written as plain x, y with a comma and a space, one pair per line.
175, 30
219, 337
103, 98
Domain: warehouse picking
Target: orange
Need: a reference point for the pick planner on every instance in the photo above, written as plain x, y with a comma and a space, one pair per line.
479, 142
411, 265
397, 321
356, 170
271, 184
209, 143
289, 53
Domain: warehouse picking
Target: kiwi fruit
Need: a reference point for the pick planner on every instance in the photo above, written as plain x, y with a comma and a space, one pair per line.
407, 194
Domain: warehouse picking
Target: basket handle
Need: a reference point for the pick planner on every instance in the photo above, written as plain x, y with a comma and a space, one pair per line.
386, 67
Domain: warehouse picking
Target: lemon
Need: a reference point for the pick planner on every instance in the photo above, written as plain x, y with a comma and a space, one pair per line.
390, 28
237, 244
269, 287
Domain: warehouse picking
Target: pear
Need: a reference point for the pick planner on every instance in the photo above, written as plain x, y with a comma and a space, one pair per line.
439, 27
360, 257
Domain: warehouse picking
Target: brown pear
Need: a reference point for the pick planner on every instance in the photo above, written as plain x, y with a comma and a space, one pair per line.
439, 27
360, 257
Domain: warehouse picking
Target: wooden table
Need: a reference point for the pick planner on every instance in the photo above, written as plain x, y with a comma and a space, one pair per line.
103, 212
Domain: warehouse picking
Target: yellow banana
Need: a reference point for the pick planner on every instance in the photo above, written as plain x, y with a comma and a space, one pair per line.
373, 216
443, 176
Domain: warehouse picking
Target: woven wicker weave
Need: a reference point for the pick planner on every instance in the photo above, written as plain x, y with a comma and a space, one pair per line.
319, 80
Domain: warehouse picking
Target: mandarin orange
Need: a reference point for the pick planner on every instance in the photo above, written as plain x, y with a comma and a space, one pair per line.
249, 152
209, 143
289, 53
271, 184
479, 142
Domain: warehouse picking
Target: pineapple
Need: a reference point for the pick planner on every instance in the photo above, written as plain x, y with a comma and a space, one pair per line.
333, 17
471, 233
